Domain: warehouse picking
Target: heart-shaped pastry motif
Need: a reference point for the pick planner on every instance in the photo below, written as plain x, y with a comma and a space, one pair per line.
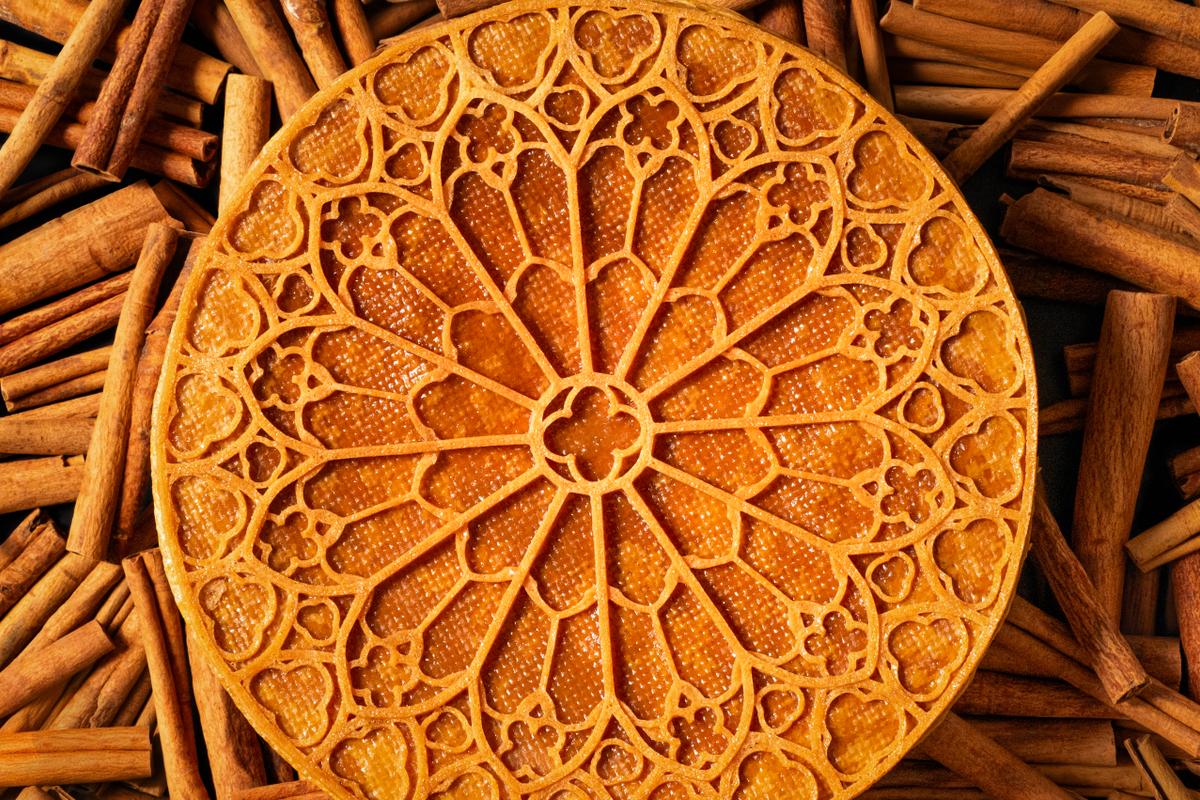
595, 400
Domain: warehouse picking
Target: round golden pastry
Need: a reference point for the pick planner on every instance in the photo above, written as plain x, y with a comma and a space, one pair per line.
589, 400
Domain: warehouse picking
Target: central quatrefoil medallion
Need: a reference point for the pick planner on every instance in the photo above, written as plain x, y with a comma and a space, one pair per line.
591, 432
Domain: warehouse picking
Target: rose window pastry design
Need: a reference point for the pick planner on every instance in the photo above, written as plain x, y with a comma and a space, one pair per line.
589, 401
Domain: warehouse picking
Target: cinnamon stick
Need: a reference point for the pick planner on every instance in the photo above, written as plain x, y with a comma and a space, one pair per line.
941, 73
99, 698
135, 485
994, 48
1031, 155
396, 18
193, 72
1144, 214
234, 753
68, 389
20, 384
37, 437
1155, 769
195, 217
1107, 651
355, 31
96, 507
20, 536
247, 128
1131, 362
43, 550
1084, 742
1139, 606
166, 657
272, 49
999, 694
60, 335
213, 19
53, 94
1177, 21
1183, 176
309, 20
43, 315
149, 157
825, 27
30, 67
967, 104
60, 255
89, 755
64, 599
871, 44
1185, 584
1059, 22
1059, 228
1183, 127
1034, 276
960, 747
49, 197
1048, 79
1185, 215
32, 673
291, 790
186, 140
86, 406
1087, 779
131, 89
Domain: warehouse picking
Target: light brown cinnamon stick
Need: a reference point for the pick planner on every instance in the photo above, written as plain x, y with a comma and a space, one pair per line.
49, 197
1054, 226
40, 437
291, 790
871, 43
135, 485
234, 753
122, 111
42, 481
309, 21
34, 672
194, 73
58, 256
354, 30
86, 406
95, 510
25, 65
68, 389
20, 384
58, 336
825, 27
53, 94
99, 698
967, 104
960, 747
90, 755
1131, 362
64, 599
213, 19
1073, 56
23, 572
1058, 22
1177, 21
43, 315
247, 128
181, 206
272, 49
166, 657
1107, 651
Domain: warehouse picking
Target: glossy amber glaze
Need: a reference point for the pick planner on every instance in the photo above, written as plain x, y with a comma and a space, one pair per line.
586, 401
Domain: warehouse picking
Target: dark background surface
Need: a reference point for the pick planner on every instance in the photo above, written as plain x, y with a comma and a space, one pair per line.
1051, 324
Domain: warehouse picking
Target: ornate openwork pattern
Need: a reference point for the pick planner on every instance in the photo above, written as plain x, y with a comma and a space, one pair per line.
591, 401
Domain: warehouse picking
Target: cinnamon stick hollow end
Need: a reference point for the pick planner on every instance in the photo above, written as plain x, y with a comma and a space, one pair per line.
584, 415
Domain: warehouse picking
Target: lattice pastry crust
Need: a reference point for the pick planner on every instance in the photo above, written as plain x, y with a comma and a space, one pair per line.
589, 400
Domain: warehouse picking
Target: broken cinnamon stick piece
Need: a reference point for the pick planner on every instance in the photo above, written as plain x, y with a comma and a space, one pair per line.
58, 89
34, 672
1157, 772
1108, 652
95, 510
1048, 79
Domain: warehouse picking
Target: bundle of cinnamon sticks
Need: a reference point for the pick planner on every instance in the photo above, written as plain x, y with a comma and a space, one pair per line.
1094, 698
